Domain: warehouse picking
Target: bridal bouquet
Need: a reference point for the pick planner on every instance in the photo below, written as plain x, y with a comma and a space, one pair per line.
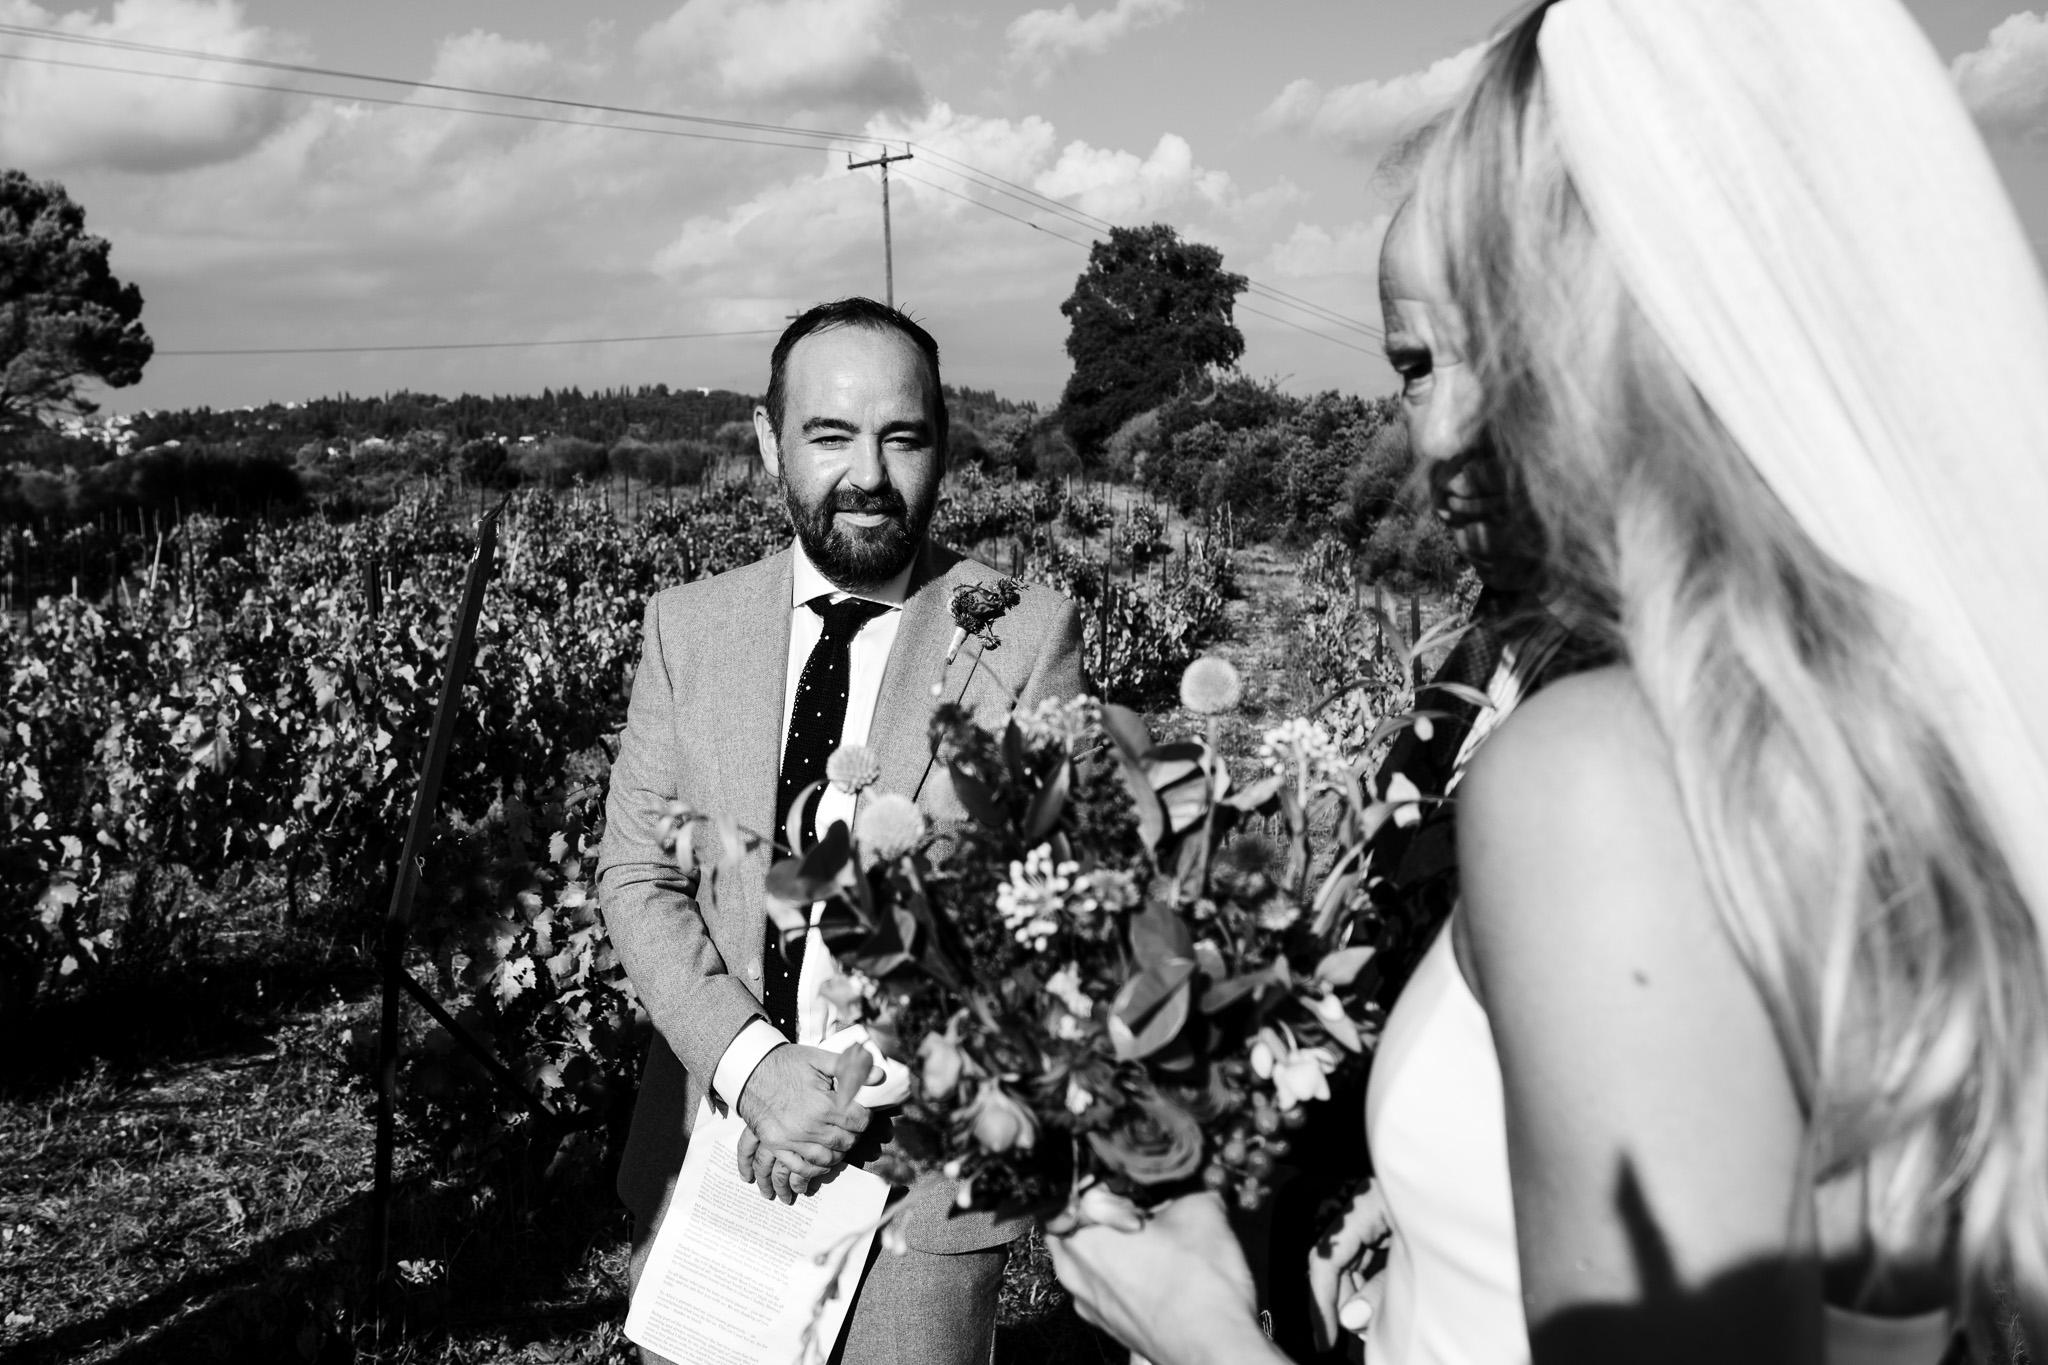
1125, 971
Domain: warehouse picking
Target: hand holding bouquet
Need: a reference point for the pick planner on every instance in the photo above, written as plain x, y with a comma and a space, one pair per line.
1123, 974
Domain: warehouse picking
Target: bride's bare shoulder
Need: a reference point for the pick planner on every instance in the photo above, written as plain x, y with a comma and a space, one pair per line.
1572, 807
1588, 738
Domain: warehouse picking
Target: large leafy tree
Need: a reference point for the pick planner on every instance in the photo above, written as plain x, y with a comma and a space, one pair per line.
1149, 313
64, 318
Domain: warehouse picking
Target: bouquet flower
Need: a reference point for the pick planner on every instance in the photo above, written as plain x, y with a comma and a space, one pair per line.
1123, 972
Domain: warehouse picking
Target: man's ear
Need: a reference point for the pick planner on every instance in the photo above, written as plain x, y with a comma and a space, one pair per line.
769, 443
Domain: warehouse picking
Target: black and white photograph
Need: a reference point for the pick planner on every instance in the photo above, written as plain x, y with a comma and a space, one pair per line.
1150, 682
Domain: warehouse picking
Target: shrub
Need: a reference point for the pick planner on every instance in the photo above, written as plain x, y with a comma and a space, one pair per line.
1309, 494
1052, 455
663, 462
1175, 473
1006, 438
1234, 403
1378, 485
736, 437
965, 447
485, 464
1128, 447
191, 479
1411, 553
559, 461
1246, 479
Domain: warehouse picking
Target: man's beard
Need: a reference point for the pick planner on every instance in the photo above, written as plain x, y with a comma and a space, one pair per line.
859, 556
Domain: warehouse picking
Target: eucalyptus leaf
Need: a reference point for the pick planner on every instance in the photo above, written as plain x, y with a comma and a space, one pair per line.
1342, 967
1127, 730
981, 803
1463, 692
1159, 935
1050, 801
1160, 1024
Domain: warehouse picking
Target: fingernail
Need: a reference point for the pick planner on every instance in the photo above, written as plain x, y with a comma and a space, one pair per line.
1356, 1315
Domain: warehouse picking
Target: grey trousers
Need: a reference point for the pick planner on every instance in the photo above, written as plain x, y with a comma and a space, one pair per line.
919, 1308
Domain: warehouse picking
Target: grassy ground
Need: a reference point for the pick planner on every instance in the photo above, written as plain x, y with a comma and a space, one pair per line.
204, 1198
189, 1164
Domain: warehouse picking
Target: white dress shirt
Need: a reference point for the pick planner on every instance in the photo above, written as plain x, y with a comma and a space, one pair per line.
869, 653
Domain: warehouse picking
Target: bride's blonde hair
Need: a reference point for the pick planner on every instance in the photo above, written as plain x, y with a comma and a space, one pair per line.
1847, 857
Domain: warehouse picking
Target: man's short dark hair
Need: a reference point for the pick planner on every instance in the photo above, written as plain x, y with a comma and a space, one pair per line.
853, 312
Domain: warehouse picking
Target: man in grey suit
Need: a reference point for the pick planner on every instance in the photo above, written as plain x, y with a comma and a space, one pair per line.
747, 681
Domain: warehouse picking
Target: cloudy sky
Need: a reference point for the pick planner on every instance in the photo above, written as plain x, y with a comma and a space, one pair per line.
257, 218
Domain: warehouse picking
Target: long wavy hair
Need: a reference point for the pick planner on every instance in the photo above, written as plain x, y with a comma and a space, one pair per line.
1846, 855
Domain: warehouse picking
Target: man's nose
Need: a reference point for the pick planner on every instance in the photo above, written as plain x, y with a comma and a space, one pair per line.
864, 464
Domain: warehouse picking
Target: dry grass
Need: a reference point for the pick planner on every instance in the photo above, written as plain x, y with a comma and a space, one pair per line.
211, 1209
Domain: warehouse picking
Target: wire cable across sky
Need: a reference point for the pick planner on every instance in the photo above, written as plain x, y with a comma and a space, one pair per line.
736, 131
474, 345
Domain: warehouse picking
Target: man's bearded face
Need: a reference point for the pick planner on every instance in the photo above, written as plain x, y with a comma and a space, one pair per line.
857, 454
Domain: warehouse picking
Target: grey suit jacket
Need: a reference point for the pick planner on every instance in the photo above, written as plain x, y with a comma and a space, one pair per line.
704, 725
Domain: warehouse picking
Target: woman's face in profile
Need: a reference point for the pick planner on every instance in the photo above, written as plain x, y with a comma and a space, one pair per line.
1442, 404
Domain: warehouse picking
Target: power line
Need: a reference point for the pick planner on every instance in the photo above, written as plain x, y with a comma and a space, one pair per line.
473, 345
974, 175
353, 98
991, 208
1289, 322
338, 73
1093, 223
1018, 218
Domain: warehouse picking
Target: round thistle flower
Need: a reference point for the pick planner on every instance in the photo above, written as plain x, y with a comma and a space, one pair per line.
889, 826
853, 768
1210, 686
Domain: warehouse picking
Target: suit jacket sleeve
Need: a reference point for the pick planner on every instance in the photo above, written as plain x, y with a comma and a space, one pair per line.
1057, 671
649, 906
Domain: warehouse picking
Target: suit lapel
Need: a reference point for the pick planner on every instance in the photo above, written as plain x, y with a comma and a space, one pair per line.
744, 701
900, 734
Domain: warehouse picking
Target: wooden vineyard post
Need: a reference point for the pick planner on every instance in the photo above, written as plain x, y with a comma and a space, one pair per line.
1414, 637
398, 919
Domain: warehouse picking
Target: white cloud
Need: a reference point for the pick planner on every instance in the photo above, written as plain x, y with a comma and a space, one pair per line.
820, 234
1368, 115
1044, 38
59, 118
1124, 187
2005, 82
1313, 252
809, 54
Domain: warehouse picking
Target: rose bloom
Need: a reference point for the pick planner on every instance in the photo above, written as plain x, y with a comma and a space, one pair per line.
1162, 1144
943, 1062
999, 1122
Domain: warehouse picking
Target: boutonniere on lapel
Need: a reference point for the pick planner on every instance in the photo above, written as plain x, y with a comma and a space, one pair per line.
976, 609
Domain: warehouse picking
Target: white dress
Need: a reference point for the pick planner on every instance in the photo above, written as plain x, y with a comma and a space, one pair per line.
1438, 1130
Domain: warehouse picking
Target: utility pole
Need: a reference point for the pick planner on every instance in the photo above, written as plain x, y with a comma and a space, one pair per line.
888, 251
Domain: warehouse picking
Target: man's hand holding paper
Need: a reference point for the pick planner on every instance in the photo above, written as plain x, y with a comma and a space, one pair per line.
802, 1115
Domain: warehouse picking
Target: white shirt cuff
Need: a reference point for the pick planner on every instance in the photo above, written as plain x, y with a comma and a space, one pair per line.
742, 1055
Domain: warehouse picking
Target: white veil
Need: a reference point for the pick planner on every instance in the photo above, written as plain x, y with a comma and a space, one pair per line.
1799, 203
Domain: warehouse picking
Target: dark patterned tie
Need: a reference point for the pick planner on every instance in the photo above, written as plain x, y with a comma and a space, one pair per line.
815, 724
